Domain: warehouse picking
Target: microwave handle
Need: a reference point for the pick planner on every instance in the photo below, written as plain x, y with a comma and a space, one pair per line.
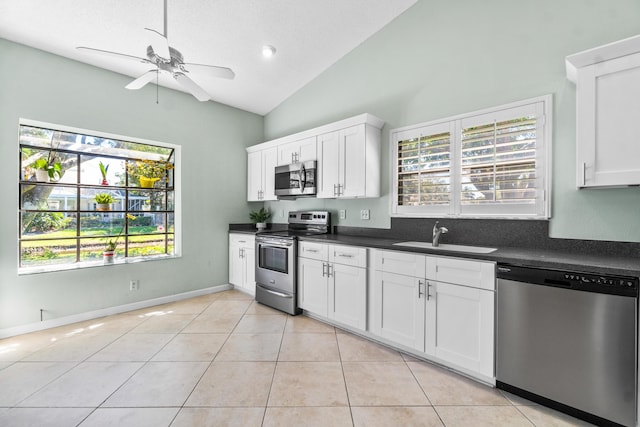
303, 177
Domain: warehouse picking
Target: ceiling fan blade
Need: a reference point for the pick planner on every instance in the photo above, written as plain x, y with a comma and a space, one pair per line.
159, 43
115, 54
222, 72
142, 80
192, 87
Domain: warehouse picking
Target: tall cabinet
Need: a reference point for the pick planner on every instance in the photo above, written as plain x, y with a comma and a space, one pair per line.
607, 109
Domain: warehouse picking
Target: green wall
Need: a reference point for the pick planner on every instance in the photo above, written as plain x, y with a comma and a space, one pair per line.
44, 87
447, 57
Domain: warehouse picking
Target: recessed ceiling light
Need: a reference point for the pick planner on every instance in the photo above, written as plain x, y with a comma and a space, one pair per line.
268, 51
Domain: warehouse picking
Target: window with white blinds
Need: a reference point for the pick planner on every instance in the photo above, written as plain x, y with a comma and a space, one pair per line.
488, 163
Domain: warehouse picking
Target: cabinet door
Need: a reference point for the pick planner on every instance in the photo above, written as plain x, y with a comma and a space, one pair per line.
307, 149
312, 286
399, 309
249, 267
348, 295
287, 153
328, 158
235, 264
460, 326
297, 151
269, 162
254, 176
608, 108
352, 166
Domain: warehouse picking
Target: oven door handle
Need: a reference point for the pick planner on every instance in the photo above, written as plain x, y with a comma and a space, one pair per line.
279, 294
271, 243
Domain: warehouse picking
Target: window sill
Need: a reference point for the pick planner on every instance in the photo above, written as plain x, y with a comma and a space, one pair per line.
24, 271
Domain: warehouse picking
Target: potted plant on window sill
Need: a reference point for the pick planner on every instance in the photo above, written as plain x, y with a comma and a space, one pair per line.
148, 172
104, 201
103, 171
108, 255
47, 169
260, 218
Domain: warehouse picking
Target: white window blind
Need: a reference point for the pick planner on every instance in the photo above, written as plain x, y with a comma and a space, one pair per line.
424, 170
488, 163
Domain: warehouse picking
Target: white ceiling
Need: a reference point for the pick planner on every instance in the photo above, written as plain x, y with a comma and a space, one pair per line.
309, 35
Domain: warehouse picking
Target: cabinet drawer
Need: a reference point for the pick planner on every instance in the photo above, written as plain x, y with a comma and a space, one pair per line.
242, 239
405, 263
348, 255
313, 250
477, 274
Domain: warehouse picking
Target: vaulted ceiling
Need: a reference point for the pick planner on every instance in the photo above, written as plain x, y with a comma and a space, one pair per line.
308, 35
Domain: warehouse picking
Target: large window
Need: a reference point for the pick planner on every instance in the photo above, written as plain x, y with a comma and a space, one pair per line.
83, 193
491, 163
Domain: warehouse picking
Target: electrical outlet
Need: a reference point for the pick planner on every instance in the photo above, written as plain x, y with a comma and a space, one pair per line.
343, 214
133, 285
364, 214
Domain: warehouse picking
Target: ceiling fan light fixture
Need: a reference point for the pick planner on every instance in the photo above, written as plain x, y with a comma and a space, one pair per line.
268, 51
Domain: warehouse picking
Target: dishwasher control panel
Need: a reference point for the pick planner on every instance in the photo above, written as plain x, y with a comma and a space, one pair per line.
601, 280
575, 280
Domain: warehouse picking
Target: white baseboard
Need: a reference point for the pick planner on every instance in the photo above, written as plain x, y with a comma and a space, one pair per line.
80, 317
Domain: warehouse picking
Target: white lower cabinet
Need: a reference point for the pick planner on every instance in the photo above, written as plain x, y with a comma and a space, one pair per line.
312, 286
332, 282
242, 261
459, 326
348, 295
450, 322
398, 309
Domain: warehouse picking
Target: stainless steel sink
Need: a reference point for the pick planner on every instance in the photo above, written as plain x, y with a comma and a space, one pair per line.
448, 248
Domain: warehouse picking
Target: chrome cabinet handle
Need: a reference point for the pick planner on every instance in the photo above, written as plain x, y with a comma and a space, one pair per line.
584, 173
334, 189
241, 253
420, 293
329, 272
345, 255
324, 269
429, 291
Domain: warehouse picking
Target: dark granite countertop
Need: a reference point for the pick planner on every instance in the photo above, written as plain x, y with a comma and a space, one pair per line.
565, 260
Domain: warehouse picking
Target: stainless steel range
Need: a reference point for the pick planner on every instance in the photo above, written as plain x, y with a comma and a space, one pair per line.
277, 259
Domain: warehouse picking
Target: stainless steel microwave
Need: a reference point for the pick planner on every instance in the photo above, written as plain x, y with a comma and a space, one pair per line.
296, 180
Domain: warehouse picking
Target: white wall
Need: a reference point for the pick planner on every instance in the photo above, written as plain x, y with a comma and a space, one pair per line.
447, 57
44, 87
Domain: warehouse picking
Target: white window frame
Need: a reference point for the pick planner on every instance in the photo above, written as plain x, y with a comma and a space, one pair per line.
543, 108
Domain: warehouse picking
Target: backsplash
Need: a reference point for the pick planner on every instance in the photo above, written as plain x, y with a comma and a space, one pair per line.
530, 234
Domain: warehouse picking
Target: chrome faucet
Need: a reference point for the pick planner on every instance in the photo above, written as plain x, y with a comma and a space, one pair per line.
437, 231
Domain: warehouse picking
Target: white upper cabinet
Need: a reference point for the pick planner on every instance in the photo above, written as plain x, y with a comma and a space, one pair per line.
297, 151
349, 163
261, 166
608, 106
347, 152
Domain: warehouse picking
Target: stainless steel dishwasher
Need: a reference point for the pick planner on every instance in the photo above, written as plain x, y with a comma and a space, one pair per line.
568, 340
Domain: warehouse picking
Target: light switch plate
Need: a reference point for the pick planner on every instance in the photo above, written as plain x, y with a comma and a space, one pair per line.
364, 214
343, 214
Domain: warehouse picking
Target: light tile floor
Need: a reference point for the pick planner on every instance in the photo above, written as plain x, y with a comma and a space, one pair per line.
224, 360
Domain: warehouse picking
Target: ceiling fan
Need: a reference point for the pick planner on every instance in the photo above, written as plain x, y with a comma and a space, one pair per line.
166, 59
